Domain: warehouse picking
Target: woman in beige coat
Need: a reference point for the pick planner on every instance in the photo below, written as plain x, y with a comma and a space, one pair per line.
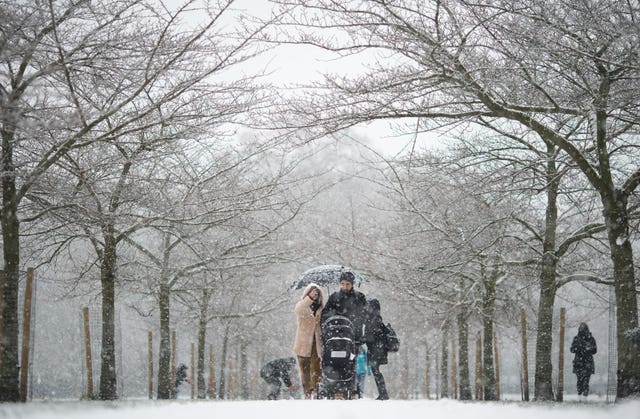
308, 344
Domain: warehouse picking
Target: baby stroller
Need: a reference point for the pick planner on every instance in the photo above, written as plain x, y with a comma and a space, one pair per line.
338, 359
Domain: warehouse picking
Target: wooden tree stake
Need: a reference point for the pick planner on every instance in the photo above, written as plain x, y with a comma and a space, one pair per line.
173, 364
87, 351
560, 392
525, 358
150, 368
496, 358
454, 370
192, 370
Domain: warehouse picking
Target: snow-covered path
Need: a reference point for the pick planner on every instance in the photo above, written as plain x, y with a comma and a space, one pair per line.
319, 409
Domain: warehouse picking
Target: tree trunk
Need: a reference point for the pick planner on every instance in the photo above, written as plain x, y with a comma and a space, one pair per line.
9, 368
543, 388
628, 335
202, 335
463, 358
244, 369
488, 309
164, 356
108, 379
222, 388
444, 370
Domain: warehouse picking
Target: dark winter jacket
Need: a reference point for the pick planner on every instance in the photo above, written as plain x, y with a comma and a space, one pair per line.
584, 346
375, 334
181, 374
351, 305
278, 369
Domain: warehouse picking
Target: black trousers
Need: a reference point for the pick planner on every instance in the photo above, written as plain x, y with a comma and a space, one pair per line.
377, 375
583, 384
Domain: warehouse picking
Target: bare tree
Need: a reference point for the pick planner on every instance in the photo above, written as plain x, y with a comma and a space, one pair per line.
563, 71
520, 165
219, 210
81, 73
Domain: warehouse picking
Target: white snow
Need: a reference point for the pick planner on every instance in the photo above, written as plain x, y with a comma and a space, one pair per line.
320, 409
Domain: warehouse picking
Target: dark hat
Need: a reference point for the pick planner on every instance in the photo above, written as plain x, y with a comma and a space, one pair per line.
374, 304
347, 276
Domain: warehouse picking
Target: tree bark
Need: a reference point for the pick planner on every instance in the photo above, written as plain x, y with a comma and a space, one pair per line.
9, 368
202, 335
543, 388
444, 370
244, 369
164, 356
488, 309
108, 378
222, 388
463, 356
628, 335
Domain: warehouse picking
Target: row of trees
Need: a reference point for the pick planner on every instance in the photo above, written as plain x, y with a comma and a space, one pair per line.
553, 79
122, 160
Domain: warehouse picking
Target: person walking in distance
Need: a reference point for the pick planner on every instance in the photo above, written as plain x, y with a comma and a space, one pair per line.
584, 347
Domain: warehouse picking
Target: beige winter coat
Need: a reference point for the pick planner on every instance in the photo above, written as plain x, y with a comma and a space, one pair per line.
308, 324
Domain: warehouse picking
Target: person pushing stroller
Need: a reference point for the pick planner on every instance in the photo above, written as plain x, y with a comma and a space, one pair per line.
343, 321
349, 303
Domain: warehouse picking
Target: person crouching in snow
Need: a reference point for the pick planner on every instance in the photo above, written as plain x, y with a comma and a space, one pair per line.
181, 376
275, 372
308, 345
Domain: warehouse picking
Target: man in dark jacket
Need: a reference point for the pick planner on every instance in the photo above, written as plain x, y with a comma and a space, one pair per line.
276, 371
348, 303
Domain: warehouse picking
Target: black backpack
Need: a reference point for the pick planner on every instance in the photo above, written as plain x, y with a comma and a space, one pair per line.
391, 341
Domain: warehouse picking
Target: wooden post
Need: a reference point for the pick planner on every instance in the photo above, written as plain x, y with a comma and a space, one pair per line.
26, 336
437, 378
173, 364
87, 351
254, 387
150, 369
427, 376
230, 384
496, 358
1, 312
560, 392
454, 370
525, 358
212, 374
478, 381
192, 371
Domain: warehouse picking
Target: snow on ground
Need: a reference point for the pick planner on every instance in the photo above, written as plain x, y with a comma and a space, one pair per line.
320, 409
